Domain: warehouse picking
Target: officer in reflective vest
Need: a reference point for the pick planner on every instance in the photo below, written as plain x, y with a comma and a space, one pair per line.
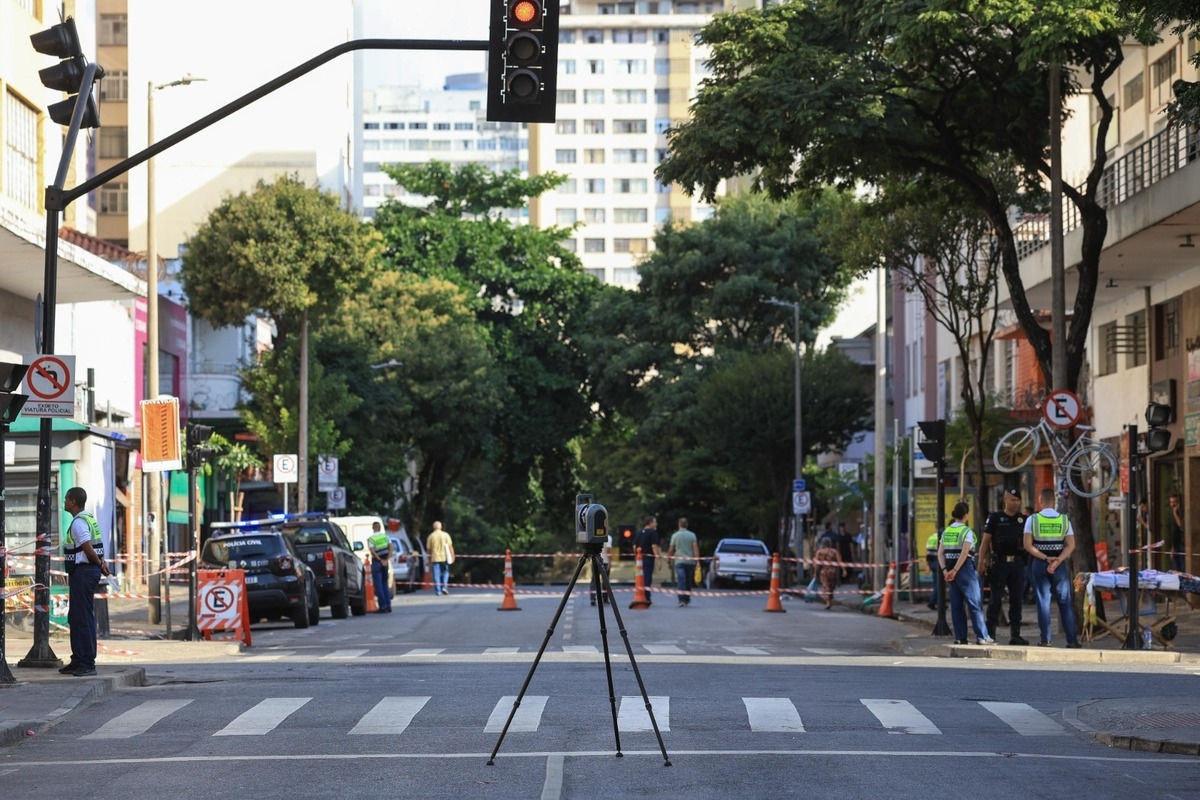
1002, 564
931, 546
954, 555
381, 554
83, 556
1049, 541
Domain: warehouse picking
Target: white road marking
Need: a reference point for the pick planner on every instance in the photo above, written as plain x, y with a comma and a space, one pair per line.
500, 651
264, 717
391, 715
825, 651
663, 650
580, 649
773, 715
899, 716
527, 718
425, 651
274, 655
552, 786
1024, 719
136, 720
746, 651
632, 715
349, 653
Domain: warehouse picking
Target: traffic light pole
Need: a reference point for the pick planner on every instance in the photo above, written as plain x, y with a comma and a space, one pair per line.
57, 199
1133, 636
941, 628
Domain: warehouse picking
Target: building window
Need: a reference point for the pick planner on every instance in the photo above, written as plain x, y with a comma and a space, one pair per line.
112, 29
1106, 358
593, 185
114, 142
1137, 326
1166, 329
625, 276
569, 186
593, 126
565, 97
630, 215
564, 126
662, 96
114, 87
593, 96
566, 216
464, 126
570, 245
564, 156
591, 36
631, 66
628, 97
629, 155
593, 215
594, 155
593, 245
1162, 72
596, 272
630, 245
631, 36
20, 151
629, 126
630, 185
567, 65
595, 66
1135, 90
114, 198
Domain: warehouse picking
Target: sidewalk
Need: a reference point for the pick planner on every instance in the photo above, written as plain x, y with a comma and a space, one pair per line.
41, 697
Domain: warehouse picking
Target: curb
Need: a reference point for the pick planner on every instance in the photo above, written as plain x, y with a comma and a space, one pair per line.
12, 731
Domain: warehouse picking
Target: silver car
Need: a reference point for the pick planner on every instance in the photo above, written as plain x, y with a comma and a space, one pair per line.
739, 561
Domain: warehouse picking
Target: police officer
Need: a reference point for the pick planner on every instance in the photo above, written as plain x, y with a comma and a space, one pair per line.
381, 553
83, 557
1002, 560
954, 556
1049, 541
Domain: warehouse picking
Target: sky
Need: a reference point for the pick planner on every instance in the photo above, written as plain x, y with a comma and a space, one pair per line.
412, 19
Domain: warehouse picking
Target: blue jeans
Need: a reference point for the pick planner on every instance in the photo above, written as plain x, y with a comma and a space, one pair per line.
81, 613
935, 571
1058, 584
379, 575
441, 576
647, 574
965, 595
684, 572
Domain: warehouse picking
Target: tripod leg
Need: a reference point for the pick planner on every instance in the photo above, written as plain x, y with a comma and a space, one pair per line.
541, 651
633, 663
597, 572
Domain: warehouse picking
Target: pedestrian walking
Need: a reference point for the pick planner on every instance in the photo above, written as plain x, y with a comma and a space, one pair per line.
956, 560
380, 548
441, 554
83, 557
828, 571
1002, 560
684, 549
1049, 541
647, 539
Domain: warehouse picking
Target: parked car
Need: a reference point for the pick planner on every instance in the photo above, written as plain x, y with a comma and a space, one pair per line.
742, 561
408, 562
278, 582
342, 583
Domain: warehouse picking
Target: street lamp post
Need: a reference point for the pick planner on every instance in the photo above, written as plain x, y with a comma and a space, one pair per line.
156, 520
799, 432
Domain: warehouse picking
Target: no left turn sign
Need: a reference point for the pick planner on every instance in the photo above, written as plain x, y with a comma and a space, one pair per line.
50, 384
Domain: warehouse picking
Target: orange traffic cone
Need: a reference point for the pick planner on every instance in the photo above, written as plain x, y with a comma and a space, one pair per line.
510, 597
889, 593
640, 600
774, 602
369, 586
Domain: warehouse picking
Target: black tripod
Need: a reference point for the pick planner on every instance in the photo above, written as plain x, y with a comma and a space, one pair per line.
603, 592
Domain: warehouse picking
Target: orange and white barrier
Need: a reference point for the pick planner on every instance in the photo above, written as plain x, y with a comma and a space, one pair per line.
640, 598
886, 608
221, 603
774, 603
510, 596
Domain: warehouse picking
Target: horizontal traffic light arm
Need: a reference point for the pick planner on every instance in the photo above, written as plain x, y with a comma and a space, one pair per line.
60, 199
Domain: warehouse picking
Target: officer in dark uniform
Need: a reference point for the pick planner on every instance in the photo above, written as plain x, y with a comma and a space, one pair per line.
1002, 557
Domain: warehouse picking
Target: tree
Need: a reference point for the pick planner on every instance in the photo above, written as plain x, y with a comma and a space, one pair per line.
234, 459
288, 251
860, 91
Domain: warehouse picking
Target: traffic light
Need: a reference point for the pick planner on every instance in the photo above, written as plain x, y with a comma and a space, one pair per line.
522, 61
625, 541
62, 40
1158, 438
933, 446
197, 438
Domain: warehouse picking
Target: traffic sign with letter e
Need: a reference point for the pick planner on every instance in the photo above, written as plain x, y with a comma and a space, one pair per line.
1062, 409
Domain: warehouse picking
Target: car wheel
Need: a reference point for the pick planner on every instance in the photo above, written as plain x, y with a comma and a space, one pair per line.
359, 607
300, 615
340, 607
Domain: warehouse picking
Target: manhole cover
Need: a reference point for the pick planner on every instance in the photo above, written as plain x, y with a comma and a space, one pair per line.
1168, 719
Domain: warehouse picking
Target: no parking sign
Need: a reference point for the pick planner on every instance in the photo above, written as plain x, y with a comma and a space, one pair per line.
221, 602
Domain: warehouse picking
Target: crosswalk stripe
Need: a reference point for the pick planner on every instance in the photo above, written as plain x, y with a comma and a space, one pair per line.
425, 651
272, 656
825, 651
899, 716
746, 651
390, 715
349, 653
136, 720
584, 649
632, 715
264, 717
1024, 719
527, 718
663, 650
501, 651
772, 715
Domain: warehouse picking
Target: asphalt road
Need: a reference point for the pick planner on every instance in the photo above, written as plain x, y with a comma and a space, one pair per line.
748, 704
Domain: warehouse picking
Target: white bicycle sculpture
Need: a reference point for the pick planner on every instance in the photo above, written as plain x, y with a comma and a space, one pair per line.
1090, 466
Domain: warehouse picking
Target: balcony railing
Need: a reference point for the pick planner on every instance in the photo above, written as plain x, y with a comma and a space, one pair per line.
1150, 162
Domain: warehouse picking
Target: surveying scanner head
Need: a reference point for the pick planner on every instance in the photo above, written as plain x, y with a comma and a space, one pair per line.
591, 521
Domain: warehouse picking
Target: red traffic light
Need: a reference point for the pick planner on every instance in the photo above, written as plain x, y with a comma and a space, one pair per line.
524, 12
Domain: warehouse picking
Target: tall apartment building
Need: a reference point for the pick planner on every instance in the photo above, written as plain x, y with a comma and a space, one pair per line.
626, 73
407, 125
